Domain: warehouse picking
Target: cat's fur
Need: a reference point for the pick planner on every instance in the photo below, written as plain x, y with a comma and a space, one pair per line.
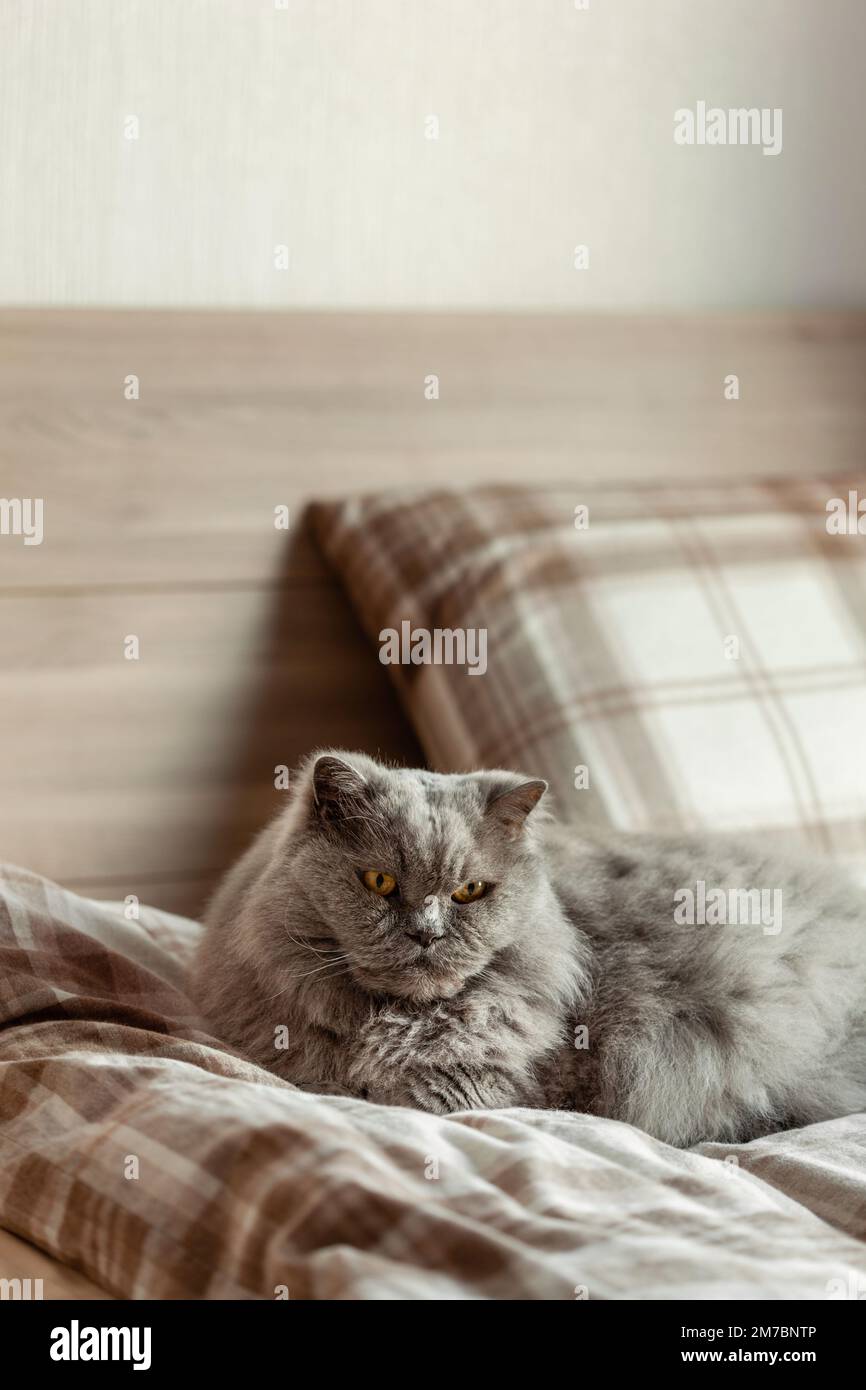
692, 1032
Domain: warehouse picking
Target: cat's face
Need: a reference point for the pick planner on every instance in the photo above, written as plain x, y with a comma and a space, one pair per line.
419, 878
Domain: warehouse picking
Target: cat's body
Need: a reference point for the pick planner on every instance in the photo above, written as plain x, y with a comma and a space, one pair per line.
570, 980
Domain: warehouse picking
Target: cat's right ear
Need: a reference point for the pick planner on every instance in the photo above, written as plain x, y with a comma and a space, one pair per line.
338, 789
510, 808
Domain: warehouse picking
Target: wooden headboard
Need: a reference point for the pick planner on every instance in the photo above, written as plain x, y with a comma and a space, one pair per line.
147, 776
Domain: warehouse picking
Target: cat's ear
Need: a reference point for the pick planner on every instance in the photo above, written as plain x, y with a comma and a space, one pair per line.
510, 808
338, 789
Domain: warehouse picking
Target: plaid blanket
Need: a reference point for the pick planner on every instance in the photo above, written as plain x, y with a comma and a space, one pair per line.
671, 657
140, 1150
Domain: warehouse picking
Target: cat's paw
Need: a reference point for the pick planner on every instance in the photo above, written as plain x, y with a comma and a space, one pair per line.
406, 1093
443, 1092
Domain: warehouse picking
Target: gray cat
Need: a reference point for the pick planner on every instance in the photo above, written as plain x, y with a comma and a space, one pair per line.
435, 941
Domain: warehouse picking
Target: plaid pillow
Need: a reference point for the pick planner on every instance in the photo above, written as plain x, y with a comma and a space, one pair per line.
670, 657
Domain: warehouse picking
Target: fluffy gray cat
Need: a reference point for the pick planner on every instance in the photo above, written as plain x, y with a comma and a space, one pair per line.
436, 941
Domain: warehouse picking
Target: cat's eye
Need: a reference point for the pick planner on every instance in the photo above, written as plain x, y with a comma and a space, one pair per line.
470, 891
379, 882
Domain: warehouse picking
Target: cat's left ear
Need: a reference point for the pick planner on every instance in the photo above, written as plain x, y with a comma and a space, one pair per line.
510, 808
338, 789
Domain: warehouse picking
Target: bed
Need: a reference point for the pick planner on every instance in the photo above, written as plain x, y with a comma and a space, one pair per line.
144, 1154
141, 1157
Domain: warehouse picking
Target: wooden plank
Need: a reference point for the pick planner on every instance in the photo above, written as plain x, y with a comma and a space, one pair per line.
241, 412
164, 766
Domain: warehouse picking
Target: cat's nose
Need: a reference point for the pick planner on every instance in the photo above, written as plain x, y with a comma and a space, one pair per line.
424, 935
425, 926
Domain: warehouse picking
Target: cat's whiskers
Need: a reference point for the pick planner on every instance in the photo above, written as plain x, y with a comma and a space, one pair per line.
304, 945
290, 979
339, 960
377, 826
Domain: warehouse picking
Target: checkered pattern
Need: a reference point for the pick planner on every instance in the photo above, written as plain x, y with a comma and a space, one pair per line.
699, 648
246, 1187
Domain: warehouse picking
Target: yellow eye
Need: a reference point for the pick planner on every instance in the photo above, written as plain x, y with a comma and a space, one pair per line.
379, 882
471, 891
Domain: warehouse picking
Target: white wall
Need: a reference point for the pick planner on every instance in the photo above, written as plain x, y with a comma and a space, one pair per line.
306, 126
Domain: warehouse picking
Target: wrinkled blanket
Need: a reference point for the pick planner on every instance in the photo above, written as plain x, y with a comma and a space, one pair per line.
139, 1149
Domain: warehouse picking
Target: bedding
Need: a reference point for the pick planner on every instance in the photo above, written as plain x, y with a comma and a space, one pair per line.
671, 657
138, 1149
